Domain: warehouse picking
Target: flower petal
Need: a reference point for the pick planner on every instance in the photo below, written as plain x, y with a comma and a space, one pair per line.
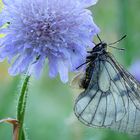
135, 69
37, 67
53, 70
63, 71
7, 2
88, 3
21, 63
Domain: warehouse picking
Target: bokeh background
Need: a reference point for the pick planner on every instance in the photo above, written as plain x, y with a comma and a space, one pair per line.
49, 114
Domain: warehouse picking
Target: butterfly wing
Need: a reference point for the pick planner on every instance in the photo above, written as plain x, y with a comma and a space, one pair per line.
112, 99
77, 80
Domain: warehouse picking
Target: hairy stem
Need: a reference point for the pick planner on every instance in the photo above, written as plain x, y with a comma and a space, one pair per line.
22, 106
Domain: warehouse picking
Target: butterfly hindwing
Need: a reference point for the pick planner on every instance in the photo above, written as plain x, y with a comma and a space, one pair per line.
132, 86
112, 98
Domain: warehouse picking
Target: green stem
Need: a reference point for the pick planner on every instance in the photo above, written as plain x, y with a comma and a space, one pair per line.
22, 106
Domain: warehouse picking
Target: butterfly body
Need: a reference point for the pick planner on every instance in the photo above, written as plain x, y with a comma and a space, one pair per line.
111, 96
98, 51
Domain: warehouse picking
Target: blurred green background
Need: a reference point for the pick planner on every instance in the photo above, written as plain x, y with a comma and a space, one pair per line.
49, 114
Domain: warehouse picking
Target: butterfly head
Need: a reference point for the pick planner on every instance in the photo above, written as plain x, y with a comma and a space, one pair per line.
100, 48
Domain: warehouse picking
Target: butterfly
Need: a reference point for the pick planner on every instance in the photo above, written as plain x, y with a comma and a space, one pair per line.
111, 96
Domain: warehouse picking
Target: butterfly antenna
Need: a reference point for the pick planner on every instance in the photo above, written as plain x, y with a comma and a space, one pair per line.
99, 38
120, 49
117, 41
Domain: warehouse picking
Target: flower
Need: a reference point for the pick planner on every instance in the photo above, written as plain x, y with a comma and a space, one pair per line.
56, 30
135, 69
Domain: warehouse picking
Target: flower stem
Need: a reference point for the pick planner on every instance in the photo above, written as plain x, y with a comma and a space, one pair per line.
22, 106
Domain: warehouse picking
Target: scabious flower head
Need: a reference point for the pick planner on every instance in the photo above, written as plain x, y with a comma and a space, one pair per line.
135, 69
55, 30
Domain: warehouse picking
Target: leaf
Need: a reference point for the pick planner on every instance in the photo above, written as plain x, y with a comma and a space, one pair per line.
15, 124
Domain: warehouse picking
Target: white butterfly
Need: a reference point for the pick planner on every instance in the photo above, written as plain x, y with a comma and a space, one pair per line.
111, 96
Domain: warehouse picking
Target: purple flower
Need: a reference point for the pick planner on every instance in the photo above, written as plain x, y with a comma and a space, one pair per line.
135, 69
55, 30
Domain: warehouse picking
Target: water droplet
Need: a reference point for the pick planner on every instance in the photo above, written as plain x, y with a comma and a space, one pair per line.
38, 33
32, 31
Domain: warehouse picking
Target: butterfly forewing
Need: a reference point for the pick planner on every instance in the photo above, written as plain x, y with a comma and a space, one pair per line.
112, 98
